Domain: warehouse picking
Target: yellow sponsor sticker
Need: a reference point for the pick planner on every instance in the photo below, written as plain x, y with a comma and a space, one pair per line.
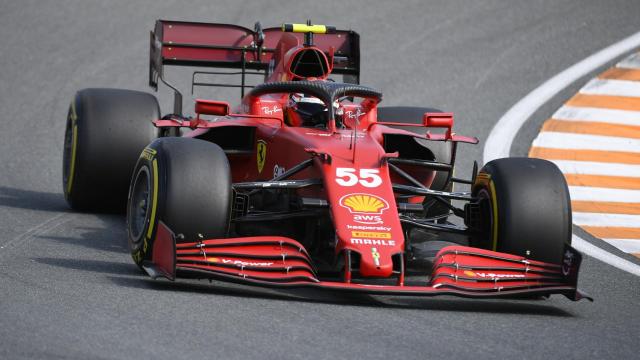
364, 203
371, 234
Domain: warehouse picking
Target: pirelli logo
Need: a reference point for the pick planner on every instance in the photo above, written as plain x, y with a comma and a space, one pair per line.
371, 234
148, 154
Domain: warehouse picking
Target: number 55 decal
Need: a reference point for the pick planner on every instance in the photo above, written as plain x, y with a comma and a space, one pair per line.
366, 177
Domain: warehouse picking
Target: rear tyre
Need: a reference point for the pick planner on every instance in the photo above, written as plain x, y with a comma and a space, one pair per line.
106, 130
527, 208
186, 184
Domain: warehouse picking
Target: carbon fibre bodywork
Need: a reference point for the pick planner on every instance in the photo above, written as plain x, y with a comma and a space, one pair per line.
333, 202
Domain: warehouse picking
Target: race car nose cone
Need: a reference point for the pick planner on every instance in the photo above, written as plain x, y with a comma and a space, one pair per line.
376, 264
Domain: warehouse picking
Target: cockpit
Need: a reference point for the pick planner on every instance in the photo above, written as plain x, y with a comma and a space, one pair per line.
321, 104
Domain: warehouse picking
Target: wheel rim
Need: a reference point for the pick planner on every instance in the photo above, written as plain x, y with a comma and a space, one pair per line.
139, 204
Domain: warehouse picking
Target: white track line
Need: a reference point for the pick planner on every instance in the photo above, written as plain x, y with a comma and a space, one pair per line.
626, 245
606, 220
587, 193
605, 256
621, 117
612, 88
632, 62
500, 139
560, 140
598, 168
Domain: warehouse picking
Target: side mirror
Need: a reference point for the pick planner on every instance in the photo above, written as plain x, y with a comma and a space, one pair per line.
439, 120
211, 107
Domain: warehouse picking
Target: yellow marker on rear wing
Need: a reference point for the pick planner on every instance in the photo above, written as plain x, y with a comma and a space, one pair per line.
304, 28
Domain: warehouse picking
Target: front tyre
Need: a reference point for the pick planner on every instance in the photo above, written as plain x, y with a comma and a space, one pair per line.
186, 184
526, 208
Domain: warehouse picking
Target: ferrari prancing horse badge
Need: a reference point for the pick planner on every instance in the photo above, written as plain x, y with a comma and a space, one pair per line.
261, 154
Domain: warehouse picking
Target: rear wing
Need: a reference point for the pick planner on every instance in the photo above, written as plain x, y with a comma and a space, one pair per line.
236, 47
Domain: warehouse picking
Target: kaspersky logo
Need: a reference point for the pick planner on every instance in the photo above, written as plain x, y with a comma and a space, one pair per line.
364, 204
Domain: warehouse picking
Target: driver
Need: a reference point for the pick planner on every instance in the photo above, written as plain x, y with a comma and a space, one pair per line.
306, 111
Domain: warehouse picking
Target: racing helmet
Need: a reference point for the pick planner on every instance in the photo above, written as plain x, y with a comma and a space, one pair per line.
306, 111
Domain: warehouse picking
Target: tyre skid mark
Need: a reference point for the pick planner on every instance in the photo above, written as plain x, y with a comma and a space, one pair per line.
613, 116
37, 230
610, 87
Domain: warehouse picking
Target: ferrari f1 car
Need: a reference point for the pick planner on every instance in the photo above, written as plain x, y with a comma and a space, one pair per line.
308, 182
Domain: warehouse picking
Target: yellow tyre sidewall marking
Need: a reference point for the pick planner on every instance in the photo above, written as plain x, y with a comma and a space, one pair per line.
74, 146
494, 203
484, 180
154, 205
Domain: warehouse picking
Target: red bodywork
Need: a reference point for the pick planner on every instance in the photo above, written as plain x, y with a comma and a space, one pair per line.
357, 185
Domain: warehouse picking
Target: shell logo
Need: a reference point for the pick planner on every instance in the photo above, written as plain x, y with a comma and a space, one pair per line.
364, 204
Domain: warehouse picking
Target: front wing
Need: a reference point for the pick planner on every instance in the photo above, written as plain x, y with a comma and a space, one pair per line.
274, 261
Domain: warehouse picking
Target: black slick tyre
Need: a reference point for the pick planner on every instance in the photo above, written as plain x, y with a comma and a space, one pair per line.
105, 132
526, 208
184, 183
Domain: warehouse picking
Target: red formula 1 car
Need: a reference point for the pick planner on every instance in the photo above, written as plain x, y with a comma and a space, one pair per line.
308, 182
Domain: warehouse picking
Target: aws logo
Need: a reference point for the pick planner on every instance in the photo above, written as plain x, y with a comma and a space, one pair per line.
367, 219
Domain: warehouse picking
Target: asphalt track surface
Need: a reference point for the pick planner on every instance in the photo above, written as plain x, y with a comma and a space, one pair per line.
68, 288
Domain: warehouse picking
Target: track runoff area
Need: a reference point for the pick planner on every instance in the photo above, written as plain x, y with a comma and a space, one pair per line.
594, 138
